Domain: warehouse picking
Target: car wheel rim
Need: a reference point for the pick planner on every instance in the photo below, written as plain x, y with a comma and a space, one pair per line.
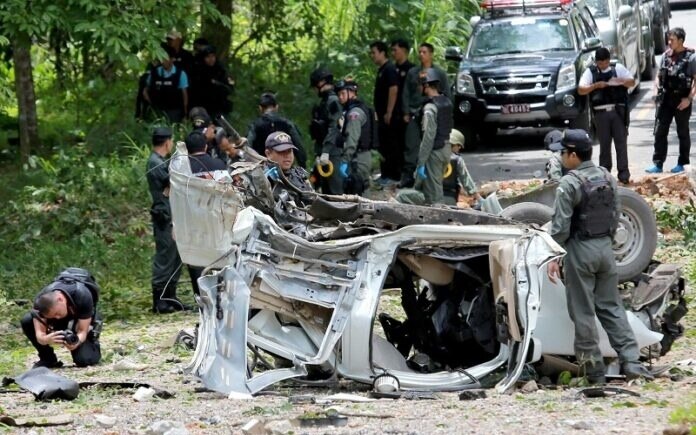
628, 240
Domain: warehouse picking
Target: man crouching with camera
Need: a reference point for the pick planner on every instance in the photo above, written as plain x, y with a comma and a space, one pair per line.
65, 314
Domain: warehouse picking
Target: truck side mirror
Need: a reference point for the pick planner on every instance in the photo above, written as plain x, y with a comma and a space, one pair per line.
591, 44
625, 11
454, 53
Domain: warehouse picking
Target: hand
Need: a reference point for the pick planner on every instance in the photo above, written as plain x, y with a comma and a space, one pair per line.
54, 338
73, 346
420, 172
407, 118
601, 85
684, 103
554, 271
324, 159
387, 118
343, 169
272, 173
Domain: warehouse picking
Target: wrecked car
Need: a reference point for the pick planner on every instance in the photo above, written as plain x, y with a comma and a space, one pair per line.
292, 292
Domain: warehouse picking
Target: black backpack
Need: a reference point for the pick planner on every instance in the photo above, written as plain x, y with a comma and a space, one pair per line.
73, 275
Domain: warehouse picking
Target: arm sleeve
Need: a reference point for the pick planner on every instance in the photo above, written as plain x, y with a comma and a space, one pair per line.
84, 305
183, 80
444, 83
692, 65
406, 97
429, 129
586, 78
355, 119
333, 131
563, 211
297, 140
464, 178
161, 174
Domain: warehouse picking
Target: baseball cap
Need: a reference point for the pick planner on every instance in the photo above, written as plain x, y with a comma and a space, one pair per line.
267, 100
199, 117
173, 35
573, 140
279, 141
552, 137
195, 142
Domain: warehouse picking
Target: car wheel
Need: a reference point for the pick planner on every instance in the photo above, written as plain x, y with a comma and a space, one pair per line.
660, 43
636, 236
528, 213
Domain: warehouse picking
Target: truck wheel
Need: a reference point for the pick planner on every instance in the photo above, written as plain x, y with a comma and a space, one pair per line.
636, 237
647, 73
528, 213
585, 121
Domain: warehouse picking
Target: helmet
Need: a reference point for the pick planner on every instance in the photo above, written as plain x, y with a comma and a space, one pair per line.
456, 138
318, 75
347, 84
429, 76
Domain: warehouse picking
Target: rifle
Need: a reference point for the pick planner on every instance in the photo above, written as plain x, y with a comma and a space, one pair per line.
658, 105
239, 141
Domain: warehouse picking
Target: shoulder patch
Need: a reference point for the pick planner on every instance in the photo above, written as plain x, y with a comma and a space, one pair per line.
353, 115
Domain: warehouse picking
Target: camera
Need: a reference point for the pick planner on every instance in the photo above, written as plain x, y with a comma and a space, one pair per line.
70, 337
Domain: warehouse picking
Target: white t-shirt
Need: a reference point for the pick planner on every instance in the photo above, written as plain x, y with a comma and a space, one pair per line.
621, 73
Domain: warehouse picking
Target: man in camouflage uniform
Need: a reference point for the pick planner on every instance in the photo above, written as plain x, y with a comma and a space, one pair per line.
356, 140
412, 102
585, 217
554, 167
434, 150
324, 129
280, 151
459, 180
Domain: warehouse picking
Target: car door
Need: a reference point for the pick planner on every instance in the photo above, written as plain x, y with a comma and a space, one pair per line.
628, 35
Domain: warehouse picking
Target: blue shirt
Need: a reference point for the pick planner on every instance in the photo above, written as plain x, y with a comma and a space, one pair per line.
183, 78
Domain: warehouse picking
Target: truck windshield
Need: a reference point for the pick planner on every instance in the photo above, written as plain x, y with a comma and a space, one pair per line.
521, 35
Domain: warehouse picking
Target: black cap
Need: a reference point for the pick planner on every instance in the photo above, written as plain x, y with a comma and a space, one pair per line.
199, 117
318, 75
573, 140
267, 100
208, 49
195, 142
279, 141
554, 136
162, 133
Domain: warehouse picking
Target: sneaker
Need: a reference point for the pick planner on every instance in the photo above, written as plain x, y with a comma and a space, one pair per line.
677, 169
654, 169
54, 364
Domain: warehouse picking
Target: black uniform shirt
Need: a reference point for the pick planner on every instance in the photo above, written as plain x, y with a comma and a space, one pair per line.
158, 180
78, 295
202, 163
401, 72
387, 76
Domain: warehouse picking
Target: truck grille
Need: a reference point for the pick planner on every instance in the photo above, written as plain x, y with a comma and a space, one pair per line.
510, 85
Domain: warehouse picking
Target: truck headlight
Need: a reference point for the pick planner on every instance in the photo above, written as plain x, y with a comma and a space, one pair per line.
566, 78
465, 84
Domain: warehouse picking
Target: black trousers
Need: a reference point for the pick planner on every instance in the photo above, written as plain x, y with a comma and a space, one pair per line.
87, 354
391, 148
611, 126
667, 111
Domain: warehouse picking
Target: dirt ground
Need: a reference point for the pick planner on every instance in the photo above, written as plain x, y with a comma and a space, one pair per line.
147, 354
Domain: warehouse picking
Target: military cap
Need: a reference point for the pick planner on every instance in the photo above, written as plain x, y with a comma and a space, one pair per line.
573, 140
162, 133
456, 137
267, 99
199, 117
552, 137
279, 141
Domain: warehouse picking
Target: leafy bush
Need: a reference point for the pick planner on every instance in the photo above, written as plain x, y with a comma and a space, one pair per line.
681, 218
76, 209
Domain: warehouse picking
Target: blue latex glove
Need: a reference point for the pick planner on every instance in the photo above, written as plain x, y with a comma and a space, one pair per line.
343, 169
272, 173
420, 171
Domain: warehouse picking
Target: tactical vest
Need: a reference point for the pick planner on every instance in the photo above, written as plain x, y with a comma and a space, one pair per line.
673, 76
595, 216
444, 119
266, 125
368, 131
319, 127
164, 92
610, 94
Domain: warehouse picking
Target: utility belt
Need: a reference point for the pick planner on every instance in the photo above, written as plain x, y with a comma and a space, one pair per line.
608, 107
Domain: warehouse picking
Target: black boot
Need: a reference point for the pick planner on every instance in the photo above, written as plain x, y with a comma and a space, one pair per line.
160, 306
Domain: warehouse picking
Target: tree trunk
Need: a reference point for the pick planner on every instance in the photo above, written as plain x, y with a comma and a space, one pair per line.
215, 32
26, 99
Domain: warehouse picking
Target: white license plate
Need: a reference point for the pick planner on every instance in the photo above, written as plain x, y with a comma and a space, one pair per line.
508, 109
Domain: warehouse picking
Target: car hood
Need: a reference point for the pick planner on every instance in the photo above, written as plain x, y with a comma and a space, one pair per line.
518, 64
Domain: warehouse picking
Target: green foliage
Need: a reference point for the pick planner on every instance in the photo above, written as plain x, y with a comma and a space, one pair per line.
685, 415
76, 209
681, 218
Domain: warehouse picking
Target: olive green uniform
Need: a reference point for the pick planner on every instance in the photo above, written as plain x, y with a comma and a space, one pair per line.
326, 131
166, 264
412, 101
591, 278
554, 167
428, 191
359, 161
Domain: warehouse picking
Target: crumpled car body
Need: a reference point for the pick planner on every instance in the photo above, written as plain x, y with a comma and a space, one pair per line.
312, 301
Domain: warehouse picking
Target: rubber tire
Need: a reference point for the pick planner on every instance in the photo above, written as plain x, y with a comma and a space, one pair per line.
647, 73
528, 213
637, 212
660, 42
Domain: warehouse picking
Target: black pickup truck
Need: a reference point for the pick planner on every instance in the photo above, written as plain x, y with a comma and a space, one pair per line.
522, 66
